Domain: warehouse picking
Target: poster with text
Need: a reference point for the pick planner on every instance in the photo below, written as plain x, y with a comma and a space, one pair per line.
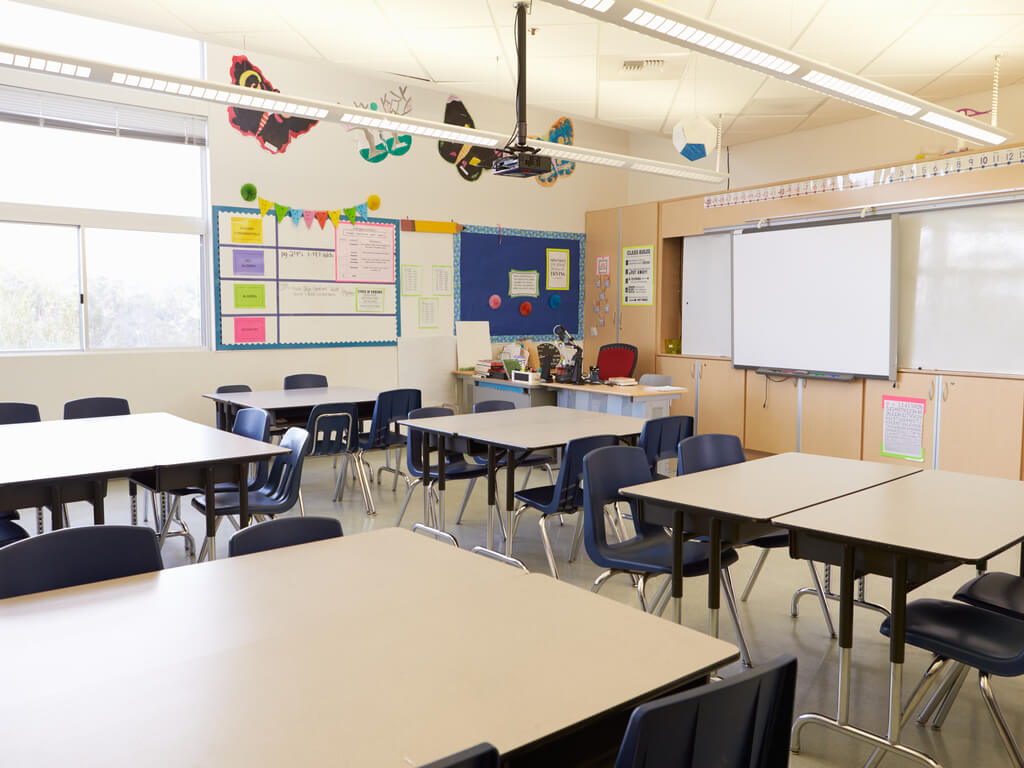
903, 427
638, 276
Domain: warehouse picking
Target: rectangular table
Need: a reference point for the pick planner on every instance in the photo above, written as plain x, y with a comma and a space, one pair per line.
515, 434
295, 657
274, 400
49, 463
737, 503
912, 530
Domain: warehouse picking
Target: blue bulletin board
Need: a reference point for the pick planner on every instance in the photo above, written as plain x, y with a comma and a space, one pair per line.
495, 261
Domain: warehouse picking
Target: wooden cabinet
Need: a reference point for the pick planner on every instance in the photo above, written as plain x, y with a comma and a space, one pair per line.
683, 371
832, 418
638, 227
980, 425
720, 405
771, 415
602, 241
907, 385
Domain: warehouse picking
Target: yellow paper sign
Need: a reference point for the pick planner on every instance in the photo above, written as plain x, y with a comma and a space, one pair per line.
245, 230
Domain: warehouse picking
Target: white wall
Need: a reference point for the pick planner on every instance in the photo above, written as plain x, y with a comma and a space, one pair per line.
320, 169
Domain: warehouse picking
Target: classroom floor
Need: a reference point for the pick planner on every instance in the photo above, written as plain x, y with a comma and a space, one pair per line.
967, 738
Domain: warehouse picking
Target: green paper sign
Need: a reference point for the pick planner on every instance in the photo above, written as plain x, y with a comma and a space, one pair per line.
250, 295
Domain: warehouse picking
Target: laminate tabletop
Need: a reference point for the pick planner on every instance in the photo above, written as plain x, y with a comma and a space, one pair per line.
379, 649
634, 391
530, 428
943, 514
115, 446
276, 399
766, 488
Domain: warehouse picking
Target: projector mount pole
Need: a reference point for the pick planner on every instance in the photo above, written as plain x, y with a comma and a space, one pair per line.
521, 65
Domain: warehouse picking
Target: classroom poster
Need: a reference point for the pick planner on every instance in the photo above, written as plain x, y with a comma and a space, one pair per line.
442, 280
364, 253
903, 427
638, 276
246, 230
370, 300
524, 283
604, 265
557, 272
412, 277
428, 311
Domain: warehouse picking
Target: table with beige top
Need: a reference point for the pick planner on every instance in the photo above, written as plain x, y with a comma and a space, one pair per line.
512, 436
297, 656
294, 404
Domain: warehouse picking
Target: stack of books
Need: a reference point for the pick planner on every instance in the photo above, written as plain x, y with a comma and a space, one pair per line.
492, 369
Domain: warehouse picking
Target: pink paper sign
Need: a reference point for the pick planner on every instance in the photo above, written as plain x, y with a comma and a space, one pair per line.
250, 330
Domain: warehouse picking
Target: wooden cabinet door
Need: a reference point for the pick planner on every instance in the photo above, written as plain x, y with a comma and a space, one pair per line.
907, 385
602, 241
981, 426
771, 407
683, 372
638, 326
832, 418
720, 404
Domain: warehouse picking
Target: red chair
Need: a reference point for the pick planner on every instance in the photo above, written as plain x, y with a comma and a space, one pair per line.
617, 360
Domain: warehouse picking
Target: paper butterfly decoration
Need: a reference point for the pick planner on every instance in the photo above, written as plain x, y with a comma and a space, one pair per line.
376, 145
274, 132
468, 160
561, 133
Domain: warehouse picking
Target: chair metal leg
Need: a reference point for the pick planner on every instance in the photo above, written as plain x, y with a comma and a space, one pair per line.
577, 537
661, 596
547, 545
405, 503
754, 574
730, 601
947, 702
997, 716
64, 515
526, 482
513, 526
364, 483
821, 599
302, 507
465, 500
551, 477
600, 580
339, 487
641, 583
398, 463
39, 520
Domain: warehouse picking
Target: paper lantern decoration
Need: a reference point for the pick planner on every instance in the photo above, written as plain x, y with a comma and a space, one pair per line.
525, 308
248, 192
693, 136
373, 202
494, 302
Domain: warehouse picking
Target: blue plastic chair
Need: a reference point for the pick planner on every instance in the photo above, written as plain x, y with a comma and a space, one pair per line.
480, 756
224, 410
17, 413
334, 431
283, 532
276, 496
455, 468
73, 556
990, 642
660, 438
96, 407
710, 451
305, 381
649, 553
563, 497
391, 405
742, 722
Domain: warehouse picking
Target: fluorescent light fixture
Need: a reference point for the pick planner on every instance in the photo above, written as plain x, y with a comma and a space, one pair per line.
248, 98
696, 34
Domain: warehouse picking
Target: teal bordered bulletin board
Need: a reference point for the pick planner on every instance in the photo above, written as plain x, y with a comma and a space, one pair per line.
526, 269
278, 284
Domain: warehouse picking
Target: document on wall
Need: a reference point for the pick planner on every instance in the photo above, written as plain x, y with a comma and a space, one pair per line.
364, 253
412, 277
638, 276
557, 269
442, 280
524, 282
903, 427
428, 313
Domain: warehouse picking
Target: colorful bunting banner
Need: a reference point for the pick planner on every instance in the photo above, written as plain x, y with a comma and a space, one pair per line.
362, 211
334, 216
321, 216
350, 213
280, 211
296, 214
265, 205
308, 216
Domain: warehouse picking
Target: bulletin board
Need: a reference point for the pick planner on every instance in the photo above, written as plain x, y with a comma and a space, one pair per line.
542, 269
278, 284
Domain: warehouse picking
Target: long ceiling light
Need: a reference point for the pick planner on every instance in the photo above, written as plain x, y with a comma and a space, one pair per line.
272, 101
699, 35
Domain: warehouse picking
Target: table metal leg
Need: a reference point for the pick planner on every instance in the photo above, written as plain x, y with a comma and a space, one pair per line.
56, 508
677, 566
211, 515
714, 575
133, 498
492, 483
511, 457
425, 458
97, 502
442, 457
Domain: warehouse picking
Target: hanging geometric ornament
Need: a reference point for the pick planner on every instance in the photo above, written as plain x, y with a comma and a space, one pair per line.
694, 136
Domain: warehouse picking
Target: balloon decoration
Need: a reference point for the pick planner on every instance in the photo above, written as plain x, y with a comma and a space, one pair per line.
248, 192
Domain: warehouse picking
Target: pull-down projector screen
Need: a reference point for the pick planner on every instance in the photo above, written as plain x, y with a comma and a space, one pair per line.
816, 299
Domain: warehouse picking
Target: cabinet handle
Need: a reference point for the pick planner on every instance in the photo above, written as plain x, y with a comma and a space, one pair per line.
693, 370
945, 391
931, 390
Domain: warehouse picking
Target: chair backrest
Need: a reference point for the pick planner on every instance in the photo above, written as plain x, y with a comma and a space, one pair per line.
656, 380
74, 556
305, 381
223, 413
254, 423
604, 472
282, 486
486, 406
333, 428
616, 360
567, 493
480, 756
741, 722
709, 451
93, 407
18, 413
660, 437
283, 532
414, 440
391, 405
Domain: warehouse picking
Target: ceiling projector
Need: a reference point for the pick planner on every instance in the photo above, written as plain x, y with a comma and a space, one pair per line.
521, 164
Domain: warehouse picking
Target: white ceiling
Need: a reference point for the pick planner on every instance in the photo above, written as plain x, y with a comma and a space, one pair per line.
933, 49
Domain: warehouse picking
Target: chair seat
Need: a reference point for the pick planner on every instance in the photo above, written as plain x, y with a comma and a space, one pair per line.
542, 499
366, 442
771, 540
1000, 592
533, 460
227, 504
982, 639
654, 555
11, 532
459, 470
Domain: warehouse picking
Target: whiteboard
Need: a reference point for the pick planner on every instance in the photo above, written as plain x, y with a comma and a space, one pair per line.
817, 299
707, 295
286, 284
962, 289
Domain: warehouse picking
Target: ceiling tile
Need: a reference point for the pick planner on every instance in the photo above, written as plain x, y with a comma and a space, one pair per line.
450, 13
635, 100
556, 40
228, 15
834, 111
766, 21
955, 86
829, 39
906, 83
975, 7
712, 86
937, 43
558, 72
616, 41
283, 42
